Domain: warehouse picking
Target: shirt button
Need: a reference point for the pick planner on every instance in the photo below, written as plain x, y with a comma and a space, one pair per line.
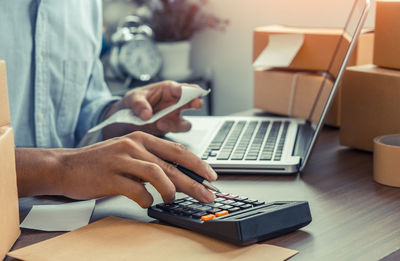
40, 58
41, 116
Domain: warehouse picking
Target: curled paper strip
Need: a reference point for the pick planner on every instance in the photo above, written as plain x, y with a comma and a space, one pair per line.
128, 117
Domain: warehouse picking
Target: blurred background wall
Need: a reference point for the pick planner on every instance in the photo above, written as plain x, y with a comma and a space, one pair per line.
227, 55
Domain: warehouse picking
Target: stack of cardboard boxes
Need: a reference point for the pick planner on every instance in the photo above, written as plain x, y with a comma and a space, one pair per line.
371, 93
9, 214
292, 90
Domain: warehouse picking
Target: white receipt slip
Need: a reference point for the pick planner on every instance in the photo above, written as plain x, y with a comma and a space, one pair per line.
127, 116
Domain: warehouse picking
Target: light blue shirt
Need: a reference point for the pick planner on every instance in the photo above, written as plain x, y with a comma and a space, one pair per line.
55, 78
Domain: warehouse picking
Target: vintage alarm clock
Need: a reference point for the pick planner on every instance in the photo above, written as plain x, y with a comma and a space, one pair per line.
134, 54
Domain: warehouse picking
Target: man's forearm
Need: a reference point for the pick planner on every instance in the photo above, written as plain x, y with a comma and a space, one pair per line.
38, 172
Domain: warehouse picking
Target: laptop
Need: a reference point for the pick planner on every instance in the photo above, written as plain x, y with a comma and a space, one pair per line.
234, 144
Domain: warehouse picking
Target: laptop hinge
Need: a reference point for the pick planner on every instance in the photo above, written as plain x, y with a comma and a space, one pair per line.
303, 140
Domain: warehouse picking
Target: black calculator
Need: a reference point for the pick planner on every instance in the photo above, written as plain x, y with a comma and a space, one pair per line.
236, 219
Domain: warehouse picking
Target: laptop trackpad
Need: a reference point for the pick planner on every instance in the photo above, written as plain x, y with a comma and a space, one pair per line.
198, 137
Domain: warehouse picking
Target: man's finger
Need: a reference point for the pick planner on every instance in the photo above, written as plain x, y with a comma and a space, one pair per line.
173, 124
166, 90
196, 104
140, 105
175, 152
133, 190
165, 177
184, 183
175, 89
190, 85
150, 172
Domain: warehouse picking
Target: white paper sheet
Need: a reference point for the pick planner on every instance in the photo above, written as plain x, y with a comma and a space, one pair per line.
120, 206
280, 51
127, 116
63, 217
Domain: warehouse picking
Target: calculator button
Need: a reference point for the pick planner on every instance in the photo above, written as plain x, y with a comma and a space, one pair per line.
207, 217
218, 205
219, 199
199, 214
179, 201
194, 206
246, 206
226, 206
234, 209
167, 207
215, 205
250, 201
222, 213
185, 203
228, 202
237, 204
204, 208
214, 210
258, 203
188, 212
241, 198
231, 196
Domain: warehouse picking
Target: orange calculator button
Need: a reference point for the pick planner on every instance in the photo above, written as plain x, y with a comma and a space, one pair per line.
207, 217
222, 213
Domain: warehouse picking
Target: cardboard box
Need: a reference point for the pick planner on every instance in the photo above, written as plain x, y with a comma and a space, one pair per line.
4, 106
362, 54
315, 54
387, 34
9, 217
318, 47
370, 105
290, 93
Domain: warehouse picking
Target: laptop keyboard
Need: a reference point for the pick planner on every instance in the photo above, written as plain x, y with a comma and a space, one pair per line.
248, 140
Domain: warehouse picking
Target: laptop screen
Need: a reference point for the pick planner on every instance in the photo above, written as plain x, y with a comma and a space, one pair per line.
333, 76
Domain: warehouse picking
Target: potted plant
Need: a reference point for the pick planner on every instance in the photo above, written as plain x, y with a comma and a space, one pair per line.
174, 23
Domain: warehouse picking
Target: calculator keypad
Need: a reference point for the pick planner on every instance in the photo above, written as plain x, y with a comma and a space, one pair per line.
224, 204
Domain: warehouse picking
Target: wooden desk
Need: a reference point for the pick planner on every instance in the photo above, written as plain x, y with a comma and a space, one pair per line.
354, 218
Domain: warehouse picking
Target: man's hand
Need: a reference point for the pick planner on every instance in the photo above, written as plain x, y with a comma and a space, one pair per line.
117, 166
146, 101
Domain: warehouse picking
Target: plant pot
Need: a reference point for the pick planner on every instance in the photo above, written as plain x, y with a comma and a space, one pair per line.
176, 60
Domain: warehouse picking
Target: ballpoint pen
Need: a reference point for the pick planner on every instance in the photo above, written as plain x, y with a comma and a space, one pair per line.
195, 177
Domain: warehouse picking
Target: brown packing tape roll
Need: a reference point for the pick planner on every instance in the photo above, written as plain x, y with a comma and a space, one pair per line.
387, 160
